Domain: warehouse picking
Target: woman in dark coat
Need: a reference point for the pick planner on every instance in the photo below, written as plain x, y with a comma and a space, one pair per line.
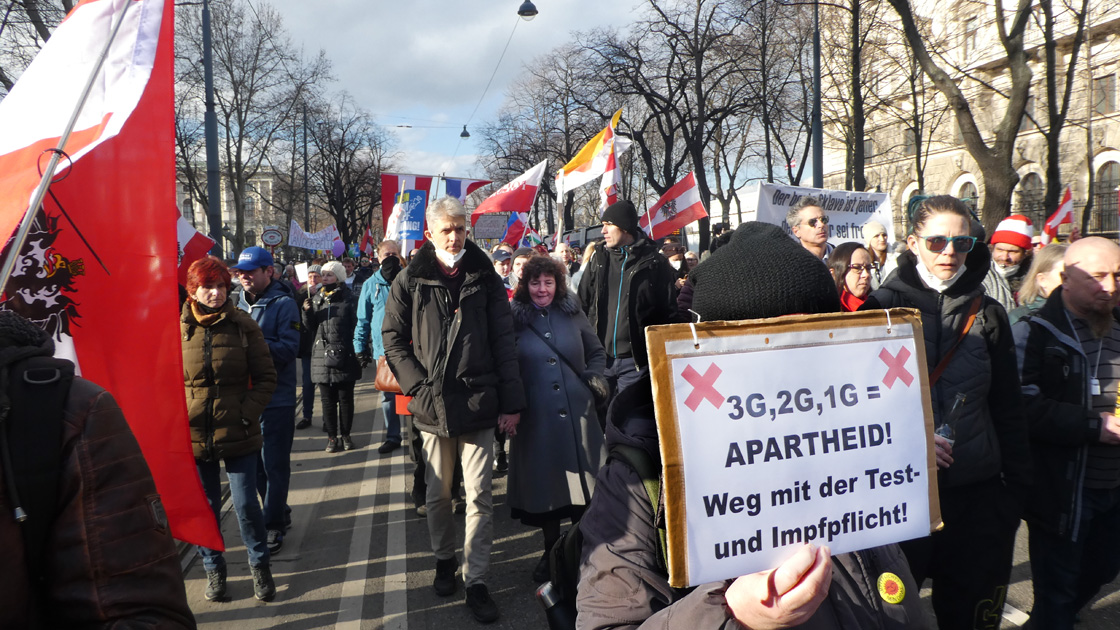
559, 444
330, 317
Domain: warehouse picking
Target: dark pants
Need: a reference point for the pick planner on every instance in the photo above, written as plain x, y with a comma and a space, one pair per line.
308, 389
241, 472
969, 561
274, 473
1068, 574
338, 408
622, 372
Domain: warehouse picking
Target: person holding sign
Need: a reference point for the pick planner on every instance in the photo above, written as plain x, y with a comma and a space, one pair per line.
624, 581
984, 474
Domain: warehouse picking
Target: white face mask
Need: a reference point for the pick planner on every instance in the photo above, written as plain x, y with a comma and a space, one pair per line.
676, 264
448, 259
935, 283
1007, 271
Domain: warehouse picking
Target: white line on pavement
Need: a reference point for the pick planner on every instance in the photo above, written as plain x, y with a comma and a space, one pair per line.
396, 552
354, 584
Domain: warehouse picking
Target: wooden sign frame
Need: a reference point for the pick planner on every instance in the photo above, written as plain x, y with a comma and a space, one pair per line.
829, 326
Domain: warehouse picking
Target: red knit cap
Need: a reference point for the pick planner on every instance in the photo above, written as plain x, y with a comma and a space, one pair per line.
1015, 230
205, 271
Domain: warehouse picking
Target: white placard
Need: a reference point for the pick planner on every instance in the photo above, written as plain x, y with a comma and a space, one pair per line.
815, 436
301, 272
847, 211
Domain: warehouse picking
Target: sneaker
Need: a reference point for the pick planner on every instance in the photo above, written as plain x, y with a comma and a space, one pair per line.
216, 585
540, 572
422, 511
445, 581
303, 424
482, 607
264, 588
275, 540
332, 445
388, 447
347, 443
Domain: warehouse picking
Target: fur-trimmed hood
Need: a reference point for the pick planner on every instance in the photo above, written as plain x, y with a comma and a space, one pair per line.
425, 264
523, 313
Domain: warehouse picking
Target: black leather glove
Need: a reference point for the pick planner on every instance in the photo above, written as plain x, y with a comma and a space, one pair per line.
365, 359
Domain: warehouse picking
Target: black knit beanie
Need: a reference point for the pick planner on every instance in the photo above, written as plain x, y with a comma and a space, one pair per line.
762, 272
622, 214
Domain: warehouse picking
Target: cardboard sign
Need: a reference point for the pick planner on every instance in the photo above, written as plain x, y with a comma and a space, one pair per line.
779, 432
847, 211
301, 272
491, 225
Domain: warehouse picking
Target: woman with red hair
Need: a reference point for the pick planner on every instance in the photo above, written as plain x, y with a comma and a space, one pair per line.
229, 376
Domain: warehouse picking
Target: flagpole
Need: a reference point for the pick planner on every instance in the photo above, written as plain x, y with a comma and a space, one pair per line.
56, 156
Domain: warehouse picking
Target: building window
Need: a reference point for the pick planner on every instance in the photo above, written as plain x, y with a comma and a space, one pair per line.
1106, 200
909, 141
969, 195
971, 26
868, 150
250, 207
1104, 94
1030, 199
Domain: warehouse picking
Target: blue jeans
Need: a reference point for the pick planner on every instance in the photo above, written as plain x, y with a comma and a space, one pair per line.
1068, 574
242, 473
278, 428
392, 420
308, 388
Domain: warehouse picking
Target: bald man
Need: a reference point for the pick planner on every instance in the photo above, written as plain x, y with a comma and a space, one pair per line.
1069, 358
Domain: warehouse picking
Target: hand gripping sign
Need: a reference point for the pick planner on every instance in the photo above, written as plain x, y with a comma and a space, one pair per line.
799, 429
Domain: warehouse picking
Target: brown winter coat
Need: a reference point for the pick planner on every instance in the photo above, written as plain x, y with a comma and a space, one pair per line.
229, 376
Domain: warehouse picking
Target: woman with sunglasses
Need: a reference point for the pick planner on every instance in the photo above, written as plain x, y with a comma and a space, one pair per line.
983, 473
850, 264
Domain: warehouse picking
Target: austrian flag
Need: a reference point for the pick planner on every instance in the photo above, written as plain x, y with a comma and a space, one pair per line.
1064, 214
679, 206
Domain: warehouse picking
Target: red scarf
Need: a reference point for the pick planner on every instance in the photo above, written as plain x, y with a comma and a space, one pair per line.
849, 302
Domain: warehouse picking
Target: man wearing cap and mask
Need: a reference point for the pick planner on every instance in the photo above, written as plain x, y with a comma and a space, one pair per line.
1011, 250
628, 285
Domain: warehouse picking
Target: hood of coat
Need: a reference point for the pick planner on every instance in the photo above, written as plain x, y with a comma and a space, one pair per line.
523, 313
978, 263
426, 265
276, 289
631, 420
186, 316
19, 339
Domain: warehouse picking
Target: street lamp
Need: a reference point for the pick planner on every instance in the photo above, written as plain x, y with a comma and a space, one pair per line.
527, 11
466, 134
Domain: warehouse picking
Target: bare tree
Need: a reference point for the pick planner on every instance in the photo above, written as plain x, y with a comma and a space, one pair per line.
24, 27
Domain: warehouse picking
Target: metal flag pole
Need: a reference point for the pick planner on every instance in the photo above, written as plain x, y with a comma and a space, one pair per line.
16, 244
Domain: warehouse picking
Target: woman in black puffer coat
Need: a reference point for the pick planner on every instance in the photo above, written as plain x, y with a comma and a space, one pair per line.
330, 317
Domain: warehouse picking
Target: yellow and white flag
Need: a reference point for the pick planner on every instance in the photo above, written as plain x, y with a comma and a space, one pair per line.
592, 160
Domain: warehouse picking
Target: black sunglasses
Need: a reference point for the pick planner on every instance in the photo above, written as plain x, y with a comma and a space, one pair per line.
813, 222
961, 244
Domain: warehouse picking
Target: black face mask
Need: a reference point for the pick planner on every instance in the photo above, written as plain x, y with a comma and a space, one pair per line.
330, 287
390, 267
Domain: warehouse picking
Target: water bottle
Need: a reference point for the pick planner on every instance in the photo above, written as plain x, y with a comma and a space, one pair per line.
945, 429
561, 615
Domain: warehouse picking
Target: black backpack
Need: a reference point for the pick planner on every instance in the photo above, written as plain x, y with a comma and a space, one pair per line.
564, 557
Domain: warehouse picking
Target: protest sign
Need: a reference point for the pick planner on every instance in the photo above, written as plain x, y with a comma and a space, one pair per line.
491, 225
301, 272
847, 211
800, 429
322, 240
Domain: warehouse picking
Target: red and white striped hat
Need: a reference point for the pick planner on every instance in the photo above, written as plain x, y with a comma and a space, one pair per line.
1015, 230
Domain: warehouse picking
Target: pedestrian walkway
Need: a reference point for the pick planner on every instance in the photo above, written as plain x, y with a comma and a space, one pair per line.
358, 557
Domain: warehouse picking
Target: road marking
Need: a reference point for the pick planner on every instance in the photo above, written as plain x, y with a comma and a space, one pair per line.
395, 609
354, 584
1014, 615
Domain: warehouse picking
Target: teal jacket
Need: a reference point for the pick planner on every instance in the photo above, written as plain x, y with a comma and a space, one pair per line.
371, 314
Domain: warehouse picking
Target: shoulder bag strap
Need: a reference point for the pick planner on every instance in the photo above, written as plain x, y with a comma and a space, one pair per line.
549, 343
944, 363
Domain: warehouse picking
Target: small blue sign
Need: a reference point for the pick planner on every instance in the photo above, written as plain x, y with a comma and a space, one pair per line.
413, 203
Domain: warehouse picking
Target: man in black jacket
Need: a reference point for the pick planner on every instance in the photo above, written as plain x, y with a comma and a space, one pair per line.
449, 340
628, 285
1069, 355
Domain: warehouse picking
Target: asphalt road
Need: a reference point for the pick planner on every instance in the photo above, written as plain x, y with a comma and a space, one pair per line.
358, 556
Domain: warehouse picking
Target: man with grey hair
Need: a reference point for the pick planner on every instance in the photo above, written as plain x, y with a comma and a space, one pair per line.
809, 224
449, 340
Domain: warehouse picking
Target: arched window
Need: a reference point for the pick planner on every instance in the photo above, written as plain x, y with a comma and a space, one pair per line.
1105, 200
1029, 199
969, 195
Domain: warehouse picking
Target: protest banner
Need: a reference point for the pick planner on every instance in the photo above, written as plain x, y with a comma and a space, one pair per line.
799, 429
847, 211
491, 225
322, 240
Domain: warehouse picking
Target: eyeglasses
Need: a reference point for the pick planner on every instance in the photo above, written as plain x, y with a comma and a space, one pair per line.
813, 222
961, 244
860, 268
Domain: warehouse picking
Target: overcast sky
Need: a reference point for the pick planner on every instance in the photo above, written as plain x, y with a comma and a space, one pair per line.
426, 62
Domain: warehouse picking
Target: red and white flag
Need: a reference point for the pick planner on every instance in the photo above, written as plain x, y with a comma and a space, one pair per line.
369, 245
77, 276
612, 176
192, 246
393, 184
1064, 214
679, 206
515, 197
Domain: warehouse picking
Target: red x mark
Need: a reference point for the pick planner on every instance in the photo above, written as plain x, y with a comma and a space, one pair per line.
896, 367
703, 387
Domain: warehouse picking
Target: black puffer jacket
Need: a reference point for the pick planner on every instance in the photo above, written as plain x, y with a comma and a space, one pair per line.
991, 435
623, 586
330, 322
647, 290
459, 366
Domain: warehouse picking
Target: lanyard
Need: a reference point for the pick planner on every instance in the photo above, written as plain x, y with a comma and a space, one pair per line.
1094, 382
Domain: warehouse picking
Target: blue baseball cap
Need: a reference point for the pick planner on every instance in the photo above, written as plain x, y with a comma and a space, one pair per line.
253, 258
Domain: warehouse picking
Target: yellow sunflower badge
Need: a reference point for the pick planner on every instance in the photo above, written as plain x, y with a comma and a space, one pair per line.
891, 588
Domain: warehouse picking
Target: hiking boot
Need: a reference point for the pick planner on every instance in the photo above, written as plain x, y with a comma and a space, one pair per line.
216, 585
445, 582
347, 443
482, 607
540, 572
303, 424
332, 445
388, 447
264, 588
275, 540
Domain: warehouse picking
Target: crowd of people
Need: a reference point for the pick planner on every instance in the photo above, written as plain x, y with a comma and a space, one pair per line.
534, 364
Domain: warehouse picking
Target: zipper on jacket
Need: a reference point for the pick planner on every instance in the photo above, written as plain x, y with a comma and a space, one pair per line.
208, 372
618, 302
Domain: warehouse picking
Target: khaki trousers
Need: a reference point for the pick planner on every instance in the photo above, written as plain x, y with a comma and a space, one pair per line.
476, 451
